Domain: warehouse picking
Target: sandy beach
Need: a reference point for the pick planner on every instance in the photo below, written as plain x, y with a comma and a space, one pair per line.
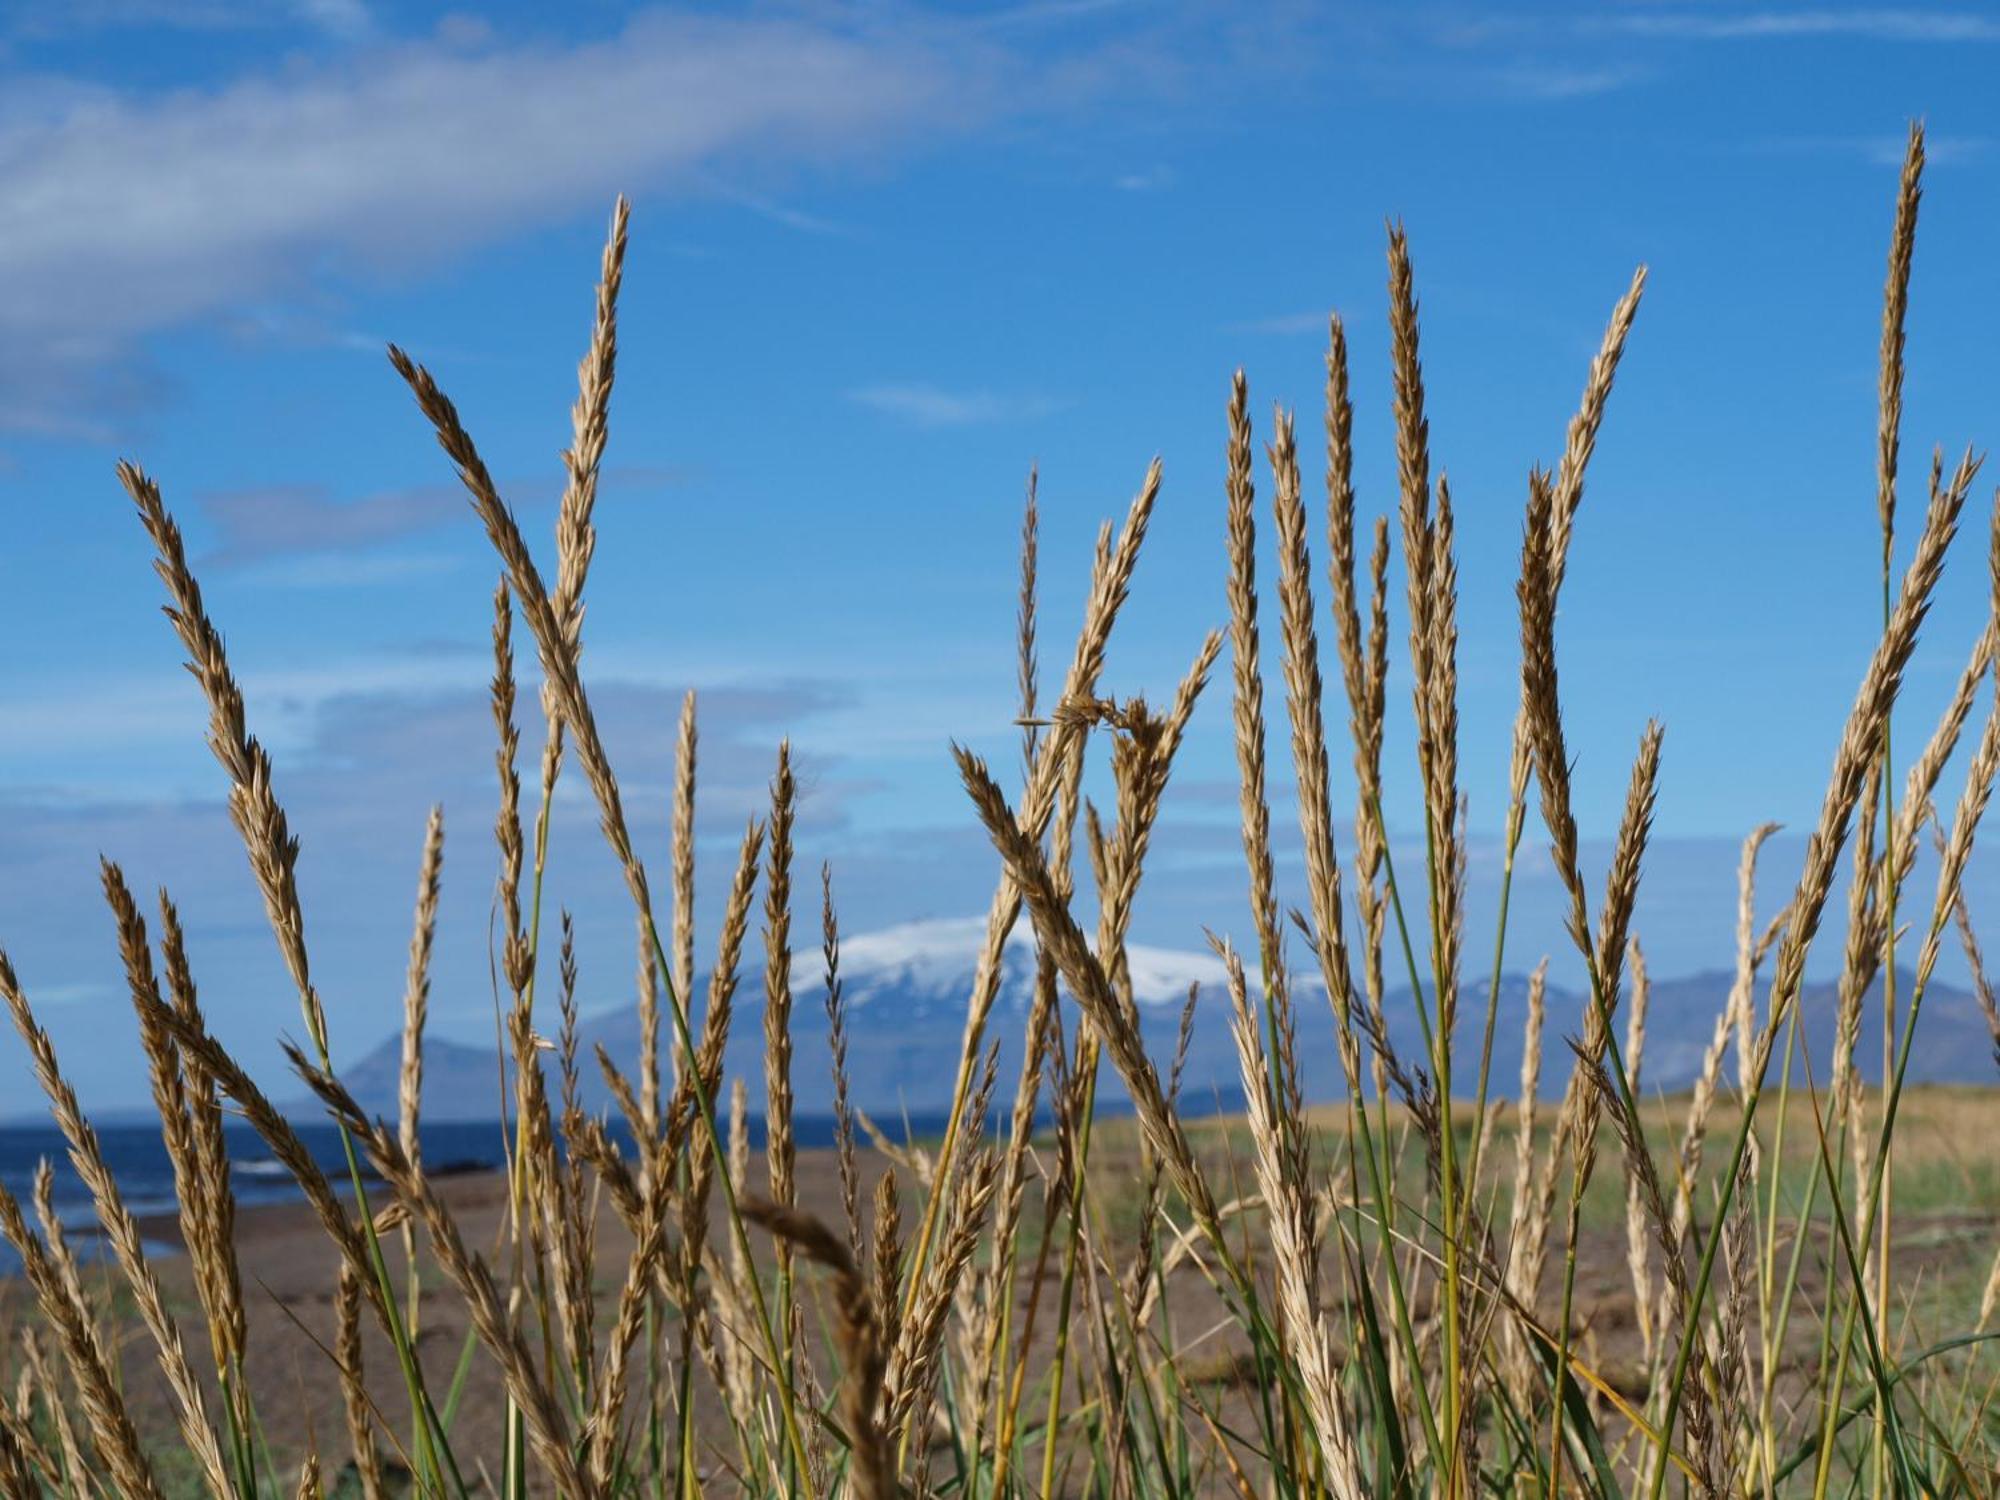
289, 1274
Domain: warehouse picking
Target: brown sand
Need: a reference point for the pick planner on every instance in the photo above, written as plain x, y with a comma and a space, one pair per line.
289, 1276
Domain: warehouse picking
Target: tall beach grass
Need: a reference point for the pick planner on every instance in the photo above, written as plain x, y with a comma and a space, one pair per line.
1401, 1281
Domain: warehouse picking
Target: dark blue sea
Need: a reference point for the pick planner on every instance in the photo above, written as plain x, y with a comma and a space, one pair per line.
138, 1159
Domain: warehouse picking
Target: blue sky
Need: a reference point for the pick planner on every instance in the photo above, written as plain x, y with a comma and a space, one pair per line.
885, 256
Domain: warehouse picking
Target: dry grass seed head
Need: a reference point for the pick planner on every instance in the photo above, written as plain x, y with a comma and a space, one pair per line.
417, 988
836, 1026
211, 1257
1290, 1211
1304, 693
1895, 313
1859, 744
1638, 1243
1249, 679
516, 956
222, 1285
1059, 933
562, 679
576, 537
859, 1338
781, 1148
1583, 427
36, 1376
888, 1256
1027, 663
120, 1225
548, 1431
353, 1390
253, 803
112, 1435
686, 748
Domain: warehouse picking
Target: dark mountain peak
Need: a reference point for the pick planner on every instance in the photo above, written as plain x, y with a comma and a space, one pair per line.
907, 989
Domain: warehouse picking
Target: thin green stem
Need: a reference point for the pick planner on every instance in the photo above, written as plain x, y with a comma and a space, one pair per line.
1516, 822
704, 1107
1087, 1060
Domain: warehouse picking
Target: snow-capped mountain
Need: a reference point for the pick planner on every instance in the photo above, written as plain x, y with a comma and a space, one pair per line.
907, 989
918, 962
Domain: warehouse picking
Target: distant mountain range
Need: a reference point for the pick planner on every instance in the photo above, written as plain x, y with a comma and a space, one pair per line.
907, 989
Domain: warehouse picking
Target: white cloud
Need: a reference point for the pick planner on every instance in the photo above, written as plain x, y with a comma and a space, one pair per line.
340, 17
78, 992
780, 213
1890, 25
147, 717
1887, 150
461, 29
335, 570
1555, 81
929, 406
57, 18
353, 152
1284, 324
131, 214
357, 774
1037, 12
1154, 179
255, 525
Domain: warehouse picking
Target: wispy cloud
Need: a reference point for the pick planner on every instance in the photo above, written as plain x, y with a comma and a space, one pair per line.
300, 707
357, 776
781, 213
1554, 81
339, 570
1283, 325
1498, 53
1153, 179
59, 18
1044, 12
1885, 150
369, 154
1891, 25
296, 328
341, 17
256, 525
304, 533
930, 406
82, 991
413, 152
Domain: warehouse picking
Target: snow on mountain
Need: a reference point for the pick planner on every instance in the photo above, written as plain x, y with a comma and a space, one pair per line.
908, 988
921, 963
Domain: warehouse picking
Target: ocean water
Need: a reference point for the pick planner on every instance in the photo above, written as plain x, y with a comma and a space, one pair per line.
138, 1160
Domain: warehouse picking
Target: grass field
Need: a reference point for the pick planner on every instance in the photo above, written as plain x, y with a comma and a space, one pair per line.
1948, 1223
